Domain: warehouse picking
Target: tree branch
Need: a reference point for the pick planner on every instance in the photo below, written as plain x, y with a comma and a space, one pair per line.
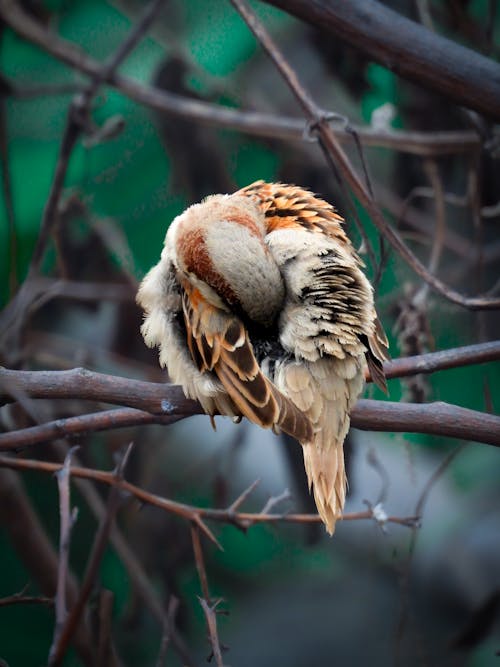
152, 402
250, 122
182, 510
444, 359
407, 48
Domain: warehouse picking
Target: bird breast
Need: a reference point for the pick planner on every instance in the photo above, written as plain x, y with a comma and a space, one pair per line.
219, 246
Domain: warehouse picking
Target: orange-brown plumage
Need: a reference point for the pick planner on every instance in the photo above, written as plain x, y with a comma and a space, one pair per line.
260, 309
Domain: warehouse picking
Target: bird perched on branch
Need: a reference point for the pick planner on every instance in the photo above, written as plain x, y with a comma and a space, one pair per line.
260, 309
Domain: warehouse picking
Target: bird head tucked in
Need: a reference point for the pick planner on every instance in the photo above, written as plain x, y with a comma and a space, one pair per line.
219, 245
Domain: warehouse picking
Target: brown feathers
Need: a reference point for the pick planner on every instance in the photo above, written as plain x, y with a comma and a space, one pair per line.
218, 342
260, 309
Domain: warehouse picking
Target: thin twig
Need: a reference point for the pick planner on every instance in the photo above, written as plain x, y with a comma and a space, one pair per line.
77, 122
211, 619
22, 598
169, 624
275, 500
67, 519
35, 550
200, 563
243, 496
187, 512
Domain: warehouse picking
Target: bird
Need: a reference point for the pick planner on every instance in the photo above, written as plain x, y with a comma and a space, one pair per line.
260, 309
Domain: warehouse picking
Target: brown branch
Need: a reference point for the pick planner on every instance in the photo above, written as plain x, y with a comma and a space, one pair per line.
158, 398
407, 48
78, 121
169, 401
209, 607
437, 418
187, 512
200, 562
80, 426
431, 362
250, 122
151, 402
21, 598
340, 163
168, 629
440, 418
210, 613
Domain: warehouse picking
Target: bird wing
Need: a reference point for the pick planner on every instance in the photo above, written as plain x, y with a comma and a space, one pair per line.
377, 353
290, 206
218, 342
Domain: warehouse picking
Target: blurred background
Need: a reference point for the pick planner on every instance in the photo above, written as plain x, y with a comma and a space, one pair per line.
293, 596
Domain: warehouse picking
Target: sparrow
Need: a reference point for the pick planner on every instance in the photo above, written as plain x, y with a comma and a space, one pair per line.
260, 309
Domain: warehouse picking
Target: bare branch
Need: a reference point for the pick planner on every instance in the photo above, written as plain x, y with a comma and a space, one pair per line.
22, 598
80, 426
187, 512
138, 577
200, 563
436, 418
438, 361
211, 619
169, 624
163, 403
409, 49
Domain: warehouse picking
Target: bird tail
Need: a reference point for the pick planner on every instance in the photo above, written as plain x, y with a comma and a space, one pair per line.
327, 477
325, 390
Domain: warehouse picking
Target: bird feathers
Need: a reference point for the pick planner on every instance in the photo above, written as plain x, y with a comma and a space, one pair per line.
260, 309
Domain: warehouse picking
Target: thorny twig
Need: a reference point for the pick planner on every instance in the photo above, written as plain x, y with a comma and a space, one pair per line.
187, 512
211, 619
138, 577
208, 605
